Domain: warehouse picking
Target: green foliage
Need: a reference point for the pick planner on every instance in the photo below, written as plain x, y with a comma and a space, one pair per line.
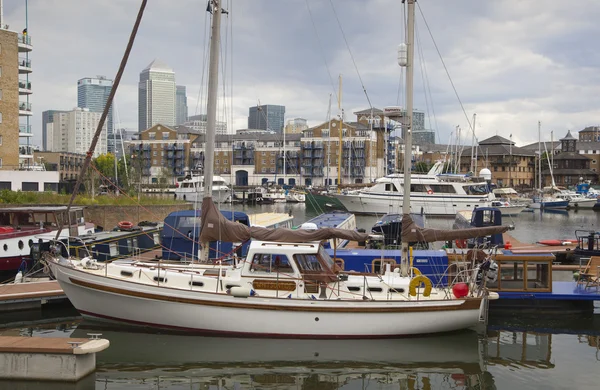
51, 198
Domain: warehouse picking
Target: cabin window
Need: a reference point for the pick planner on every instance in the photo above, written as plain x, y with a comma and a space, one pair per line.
417, 188
270, 262
308, 262
442, 189
523, 276
480, 189
390, 187
127, 274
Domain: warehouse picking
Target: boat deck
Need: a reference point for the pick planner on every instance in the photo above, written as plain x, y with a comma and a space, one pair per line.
330, 219
519, 247
55, 345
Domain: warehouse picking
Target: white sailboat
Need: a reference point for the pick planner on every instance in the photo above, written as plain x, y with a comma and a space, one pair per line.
287, 286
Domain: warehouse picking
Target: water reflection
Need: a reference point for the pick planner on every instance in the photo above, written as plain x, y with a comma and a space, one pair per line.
514, 353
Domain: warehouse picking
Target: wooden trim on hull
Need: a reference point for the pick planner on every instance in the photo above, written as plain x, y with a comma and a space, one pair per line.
212, 332
467, 304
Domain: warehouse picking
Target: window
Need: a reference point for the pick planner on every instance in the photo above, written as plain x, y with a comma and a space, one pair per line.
217, 162
0, 94
154, 153
0, 140
165, 135
270, 263
225, 161
30, 186
263, 170
1, 183
152, 136
0, 117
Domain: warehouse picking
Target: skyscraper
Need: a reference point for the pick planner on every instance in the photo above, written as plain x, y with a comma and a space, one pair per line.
92, 93
156, 93
266, 117
181, 108
72, 131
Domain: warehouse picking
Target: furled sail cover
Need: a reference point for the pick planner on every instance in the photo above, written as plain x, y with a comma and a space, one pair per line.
215, 227
413, 233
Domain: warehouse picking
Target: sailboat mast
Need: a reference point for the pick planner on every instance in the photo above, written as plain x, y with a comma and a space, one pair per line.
472, 167
211, 109
410, 38
340, 134
328, 142
476, 147
540, 155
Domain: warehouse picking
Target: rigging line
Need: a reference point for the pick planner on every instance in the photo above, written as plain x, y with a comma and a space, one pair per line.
427, 85
111, 96
333, 87
401, 88
445, 68
204, 61
351, 55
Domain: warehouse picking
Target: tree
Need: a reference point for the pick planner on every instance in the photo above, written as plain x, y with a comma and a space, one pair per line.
105, 164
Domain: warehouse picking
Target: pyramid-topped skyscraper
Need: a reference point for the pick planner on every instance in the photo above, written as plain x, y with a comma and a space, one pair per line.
156, 93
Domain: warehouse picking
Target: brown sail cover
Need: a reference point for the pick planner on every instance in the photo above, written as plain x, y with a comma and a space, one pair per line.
413, 233
215, 227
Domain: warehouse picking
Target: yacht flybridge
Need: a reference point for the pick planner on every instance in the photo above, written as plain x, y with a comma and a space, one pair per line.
434, 193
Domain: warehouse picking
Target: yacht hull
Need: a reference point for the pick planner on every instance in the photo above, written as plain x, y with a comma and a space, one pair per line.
427, 204
220, 195
111, 299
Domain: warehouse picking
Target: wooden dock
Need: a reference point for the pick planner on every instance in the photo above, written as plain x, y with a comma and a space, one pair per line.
30, 295
49, 358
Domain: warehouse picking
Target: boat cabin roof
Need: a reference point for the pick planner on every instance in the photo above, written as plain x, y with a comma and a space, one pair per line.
269, 219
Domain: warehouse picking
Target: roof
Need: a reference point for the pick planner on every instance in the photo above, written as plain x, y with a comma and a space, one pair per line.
570, 171
252, 137
591, 129
158, 66
181, 129
568, 137
496, 140
498, 150
368, 111
570, 156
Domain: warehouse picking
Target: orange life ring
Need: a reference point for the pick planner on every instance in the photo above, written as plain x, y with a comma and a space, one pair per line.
430, 192
125, 225
461, 244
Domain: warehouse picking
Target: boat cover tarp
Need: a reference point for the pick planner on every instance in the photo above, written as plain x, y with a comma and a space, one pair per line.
214, 226
413, 233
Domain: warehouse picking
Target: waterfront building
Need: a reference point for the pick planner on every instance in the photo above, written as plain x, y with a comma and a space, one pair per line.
198, 123
181, 108
296, 126
156, 93
590, 134
267, 117
72, 131
570, 165
511, 166
68, 165
92, 93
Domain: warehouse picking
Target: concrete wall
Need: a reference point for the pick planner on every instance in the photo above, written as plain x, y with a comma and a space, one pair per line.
109, 216
17, 178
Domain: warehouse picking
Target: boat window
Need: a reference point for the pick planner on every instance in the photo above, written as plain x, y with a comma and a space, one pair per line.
326, 258
538, 275
308, 262
417, 188
390, 187
476, 189
511, 276
442, 189
23, 219
185, 224
269, 262
4, 219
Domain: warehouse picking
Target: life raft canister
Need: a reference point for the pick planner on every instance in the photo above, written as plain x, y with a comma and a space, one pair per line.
416, 282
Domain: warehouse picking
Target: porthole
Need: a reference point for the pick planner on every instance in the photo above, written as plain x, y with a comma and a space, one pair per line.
30, 243
127, 273
160, 279
21, 245
197, 284
352, 288
5, 247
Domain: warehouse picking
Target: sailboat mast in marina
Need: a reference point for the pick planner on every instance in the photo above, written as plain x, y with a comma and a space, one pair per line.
410, 50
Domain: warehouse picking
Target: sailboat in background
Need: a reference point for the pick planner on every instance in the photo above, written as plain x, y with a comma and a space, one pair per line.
544, 201
287, 286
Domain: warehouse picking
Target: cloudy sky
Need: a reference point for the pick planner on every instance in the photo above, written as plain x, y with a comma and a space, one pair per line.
513, 62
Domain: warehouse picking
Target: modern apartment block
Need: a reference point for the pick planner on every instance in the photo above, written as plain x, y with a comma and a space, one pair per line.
181, 108
72, 131
156, 92
198, 123
10, 70
267, 117
92, 93
68, 165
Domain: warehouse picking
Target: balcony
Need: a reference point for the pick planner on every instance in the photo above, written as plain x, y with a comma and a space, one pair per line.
24, 66
24, 87
25, 131
24, 43
25, 151
25, 109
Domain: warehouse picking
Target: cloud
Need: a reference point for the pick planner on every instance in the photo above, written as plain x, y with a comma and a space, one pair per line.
512, 62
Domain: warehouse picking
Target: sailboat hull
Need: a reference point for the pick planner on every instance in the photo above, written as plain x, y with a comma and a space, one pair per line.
110, 299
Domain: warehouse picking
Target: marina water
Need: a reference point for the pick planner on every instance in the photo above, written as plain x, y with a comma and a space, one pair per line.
511, 353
